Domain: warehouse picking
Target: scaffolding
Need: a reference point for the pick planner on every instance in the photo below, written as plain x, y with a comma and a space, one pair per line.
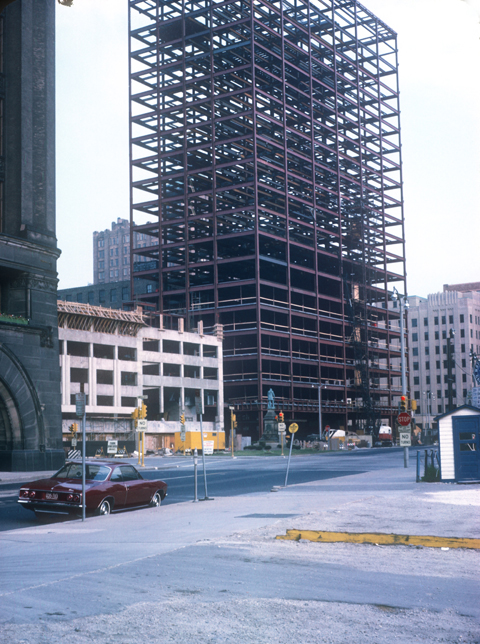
266, 161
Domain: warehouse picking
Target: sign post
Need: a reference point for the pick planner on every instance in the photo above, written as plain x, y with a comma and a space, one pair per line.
199, 410
293, 428
80, 412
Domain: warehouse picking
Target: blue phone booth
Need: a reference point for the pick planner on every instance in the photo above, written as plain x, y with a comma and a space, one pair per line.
459, 441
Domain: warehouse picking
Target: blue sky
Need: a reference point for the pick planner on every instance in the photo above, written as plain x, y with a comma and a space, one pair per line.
439, 53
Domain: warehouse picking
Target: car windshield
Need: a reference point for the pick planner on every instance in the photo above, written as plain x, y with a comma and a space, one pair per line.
74, 471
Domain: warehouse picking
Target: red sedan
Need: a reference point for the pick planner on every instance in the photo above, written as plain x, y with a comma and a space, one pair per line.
109, 487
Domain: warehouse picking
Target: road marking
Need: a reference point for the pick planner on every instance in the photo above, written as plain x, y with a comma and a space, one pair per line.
381, 539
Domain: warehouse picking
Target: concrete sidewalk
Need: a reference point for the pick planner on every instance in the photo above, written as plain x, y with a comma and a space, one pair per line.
214, 572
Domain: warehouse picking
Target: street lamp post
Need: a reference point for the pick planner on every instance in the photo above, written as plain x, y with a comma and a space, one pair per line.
403, 303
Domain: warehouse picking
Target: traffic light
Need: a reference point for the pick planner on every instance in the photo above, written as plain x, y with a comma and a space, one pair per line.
143, 411
403, 403
234, 421
182, 418
73, 428
135, 413
413, 405
281, 416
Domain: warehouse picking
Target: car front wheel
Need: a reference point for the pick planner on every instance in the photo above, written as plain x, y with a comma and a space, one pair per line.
104, 508
156, 500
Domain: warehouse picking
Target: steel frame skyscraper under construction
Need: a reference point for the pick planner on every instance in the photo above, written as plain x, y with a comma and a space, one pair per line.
266, 171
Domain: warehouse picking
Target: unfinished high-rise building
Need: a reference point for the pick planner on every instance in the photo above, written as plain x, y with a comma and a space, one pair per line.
265, 156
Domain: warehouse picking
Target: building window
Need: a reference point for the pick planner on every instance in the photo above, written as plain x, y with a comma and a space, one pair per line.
101, 243
414, 322
101, 296
101, 254
437, 335
172, 370
462, 318
462, 348
444, 348
427, 380
104, 377
439, 409
436, 320
415, 351
464, 377
439, 393
414, 337
415, 366
444, 335
450, 319
462, 333
427, 351
416, 380
105, 401
91, 297
464, 393
101, 275
425, 335
444, 319
127, 353
113, 295
425, 321
101, 265
437, 351
129, 379
437, 364
427, 366
445, 364
79, 297
416, 395
439, 380
464, 362
125, 292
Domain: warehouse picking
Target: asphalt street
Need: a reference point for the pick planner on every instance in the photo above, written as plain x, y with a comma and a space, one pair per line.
225, 477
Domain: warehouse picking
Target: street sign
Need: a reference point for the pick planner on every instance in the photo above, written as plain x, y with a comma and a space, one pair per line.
112, 447
208, 447
80, 404
404, 419
142, 425
198, 405
74, 442
293, 428
282, 427
405, 439
183, 434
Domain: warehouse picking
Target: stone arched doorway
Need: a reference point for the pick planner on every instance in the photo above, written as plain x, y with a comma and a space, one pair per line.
10, 423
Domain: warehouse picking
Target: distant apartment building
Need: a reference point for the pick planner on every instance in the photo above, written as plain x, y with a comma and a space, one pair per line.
116, 359
111, 252
112, 295
442, 319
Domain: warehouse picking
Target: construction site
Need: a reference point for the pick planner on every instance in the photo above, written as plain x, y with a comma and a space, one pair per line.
266, 173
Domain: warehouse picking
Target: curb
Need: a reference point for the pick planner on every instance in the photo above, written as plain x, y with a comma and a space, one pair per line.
377, 538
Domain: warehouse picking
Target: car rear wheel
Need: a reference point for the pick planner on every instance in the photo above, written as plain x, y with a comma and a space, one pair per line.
156, 500
104, 508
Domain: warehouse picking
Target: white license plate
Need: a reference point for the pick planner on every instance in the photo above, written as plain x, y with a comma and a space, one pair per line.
51, 496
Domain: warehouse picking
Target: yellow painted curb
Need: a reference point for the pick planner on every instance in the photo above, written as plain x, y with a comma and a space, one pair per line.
380, 539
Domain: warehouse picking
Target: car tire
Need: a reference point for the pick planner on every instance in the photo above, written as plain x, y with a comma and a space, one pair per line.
156, 500
104, 508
